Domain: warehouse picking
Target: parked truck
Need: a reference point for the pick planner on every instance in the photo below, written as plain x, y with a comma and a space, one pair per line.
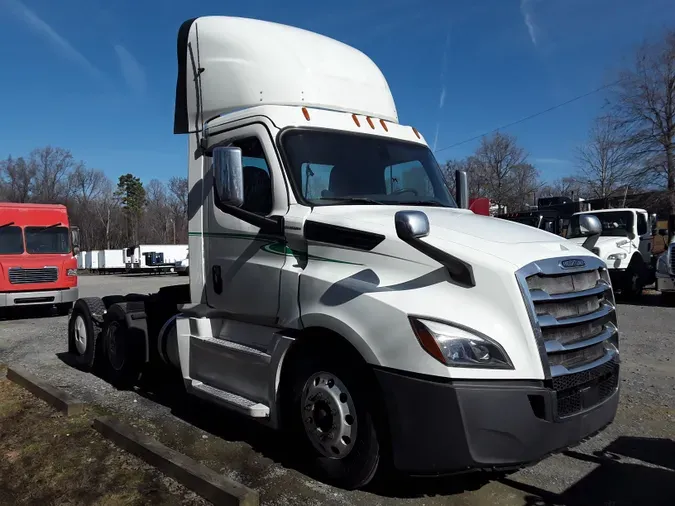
625, 244
154, 257
338, 292
37, 262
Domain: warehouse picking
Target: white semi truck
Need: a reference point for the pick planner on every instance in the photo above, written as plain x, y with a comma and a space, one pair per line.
625, 244
339, 292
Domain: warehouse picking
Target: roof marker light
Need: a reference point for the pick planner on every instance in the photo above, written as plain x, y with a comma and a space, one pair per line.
384, 125
370, 122
306, 113
356, 120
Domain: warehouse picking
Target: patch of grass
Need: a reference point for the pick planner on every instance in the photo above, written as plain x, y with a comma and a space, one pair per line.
46, 458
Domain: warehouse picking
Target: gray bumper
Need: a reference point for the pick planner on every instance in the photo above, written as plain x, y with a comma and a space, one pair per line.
665, 283
41, 297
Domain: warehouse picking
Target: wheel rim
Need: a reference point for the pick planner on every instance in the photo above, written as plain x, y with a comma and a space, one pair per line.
115, 347
329, 415
80, 331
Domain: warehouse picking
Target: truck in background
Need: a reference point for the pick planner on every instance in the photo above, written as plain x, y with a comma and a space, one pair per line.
625, 244
551, 214
37, 256
337, 291
154, 257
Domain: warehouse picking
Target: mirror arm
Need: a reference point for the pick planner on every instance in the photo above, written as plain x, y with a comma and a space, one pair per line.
461, 273
273, 225
590, 241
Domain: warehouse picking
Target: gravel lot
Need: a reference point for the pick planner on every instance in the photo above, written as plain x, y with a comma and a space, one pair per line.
632, 462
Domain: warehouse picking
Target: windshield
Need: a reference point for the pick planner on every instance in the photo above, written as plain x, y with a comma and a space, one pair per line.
42, 240
11, 241
329, 168
614, 224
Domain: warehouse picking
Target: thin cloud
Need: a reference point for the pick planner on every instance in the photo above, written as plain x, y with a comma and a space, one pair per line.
527, 10
442, 98
438, 127
43, 29
552, 161
131, 70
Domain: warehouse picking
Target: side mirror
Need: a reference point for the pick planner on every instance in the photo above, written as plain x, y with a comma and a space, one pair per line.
228, 175
411, 225
591, 228
462, 189
75, 239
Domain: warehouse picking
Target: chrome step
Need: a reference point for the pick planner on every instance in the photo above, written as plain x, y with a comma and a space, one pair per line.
230, 400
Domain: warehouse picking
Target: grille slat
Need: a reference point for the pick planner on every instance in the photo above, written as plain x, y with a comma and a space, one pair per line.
574, 318
20, 276
671, 255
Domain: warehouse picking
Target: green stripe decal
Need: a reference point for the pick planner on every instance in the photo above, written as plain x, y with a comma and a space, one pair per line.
275, 245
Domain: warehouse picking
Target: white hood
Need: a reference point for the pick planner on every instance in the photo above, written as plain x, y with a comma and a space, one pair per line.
512, 242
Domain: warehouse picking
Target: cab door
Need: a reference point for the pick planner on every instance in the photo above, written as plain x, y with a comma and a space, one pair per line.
243, 261
644, 236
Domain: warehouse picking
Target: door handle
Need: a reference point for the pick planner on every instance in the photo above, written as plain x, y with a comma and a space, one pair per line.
217, 279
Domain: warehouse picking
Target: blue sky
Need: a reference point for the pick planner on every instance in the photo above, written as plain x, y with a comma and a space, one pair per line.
98, 77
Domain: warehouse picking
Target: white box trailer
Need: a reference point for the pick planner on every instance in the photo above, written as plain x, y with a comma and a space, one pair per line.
81, 258
376, 323
154, 257
111, 260
91, 260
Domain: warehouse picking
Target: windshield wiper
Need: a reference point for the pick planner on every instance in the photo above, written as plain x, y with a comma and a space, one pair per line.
434, 203
356, 200
47, 228
7, 224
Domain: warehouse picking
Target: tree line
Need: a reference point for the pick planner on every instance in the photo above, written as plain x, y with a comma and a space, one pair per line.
630, 146
109, 215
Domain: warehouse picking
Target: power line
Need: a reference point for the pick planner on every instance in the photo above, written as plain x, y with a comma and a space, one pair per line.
553, 108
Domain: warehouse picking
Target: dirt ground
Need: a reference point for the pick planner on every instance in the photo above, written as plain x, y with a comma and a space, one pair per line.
47, 458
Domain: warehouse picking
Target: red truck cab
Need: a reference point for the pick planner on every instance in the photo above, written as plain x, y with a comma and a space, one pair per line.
37, 262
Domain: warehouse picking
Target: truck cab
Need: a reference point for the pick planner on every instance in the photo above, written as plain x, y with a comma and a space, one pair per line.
625, 244
339, 292
37, 262
547, 220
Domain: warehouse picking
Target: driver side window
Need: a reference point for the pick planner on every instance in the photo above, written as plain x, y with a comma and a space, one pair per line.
409, 176
642, 227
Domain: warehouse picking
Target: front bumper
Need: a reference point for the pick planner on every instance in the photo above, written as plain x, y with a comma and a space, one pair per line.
665, 283
446, 427
36, 298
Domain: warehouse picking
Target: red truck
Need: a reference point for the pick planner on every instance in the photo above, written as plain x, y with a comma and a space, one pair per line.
37, 262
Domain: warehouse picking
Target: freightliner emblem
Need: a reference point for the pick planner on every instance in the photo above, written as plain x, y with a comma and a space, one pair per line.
571, 263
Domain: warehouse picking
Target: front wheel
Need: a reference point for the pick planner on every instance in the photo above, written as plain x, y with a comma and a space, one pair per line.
330, 415
634, 281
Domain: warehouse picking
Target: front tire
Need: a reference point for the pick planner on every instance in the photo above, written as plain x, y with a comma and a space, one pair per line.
331, 419
633, 283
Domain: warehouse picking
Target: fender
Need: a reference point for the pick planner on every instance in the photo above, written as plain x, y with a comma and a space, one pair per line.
133, 314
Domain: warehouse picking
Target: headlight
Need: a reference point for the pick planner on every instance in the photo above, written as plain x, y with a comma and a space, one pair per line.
71, 272
616, 256
459, 348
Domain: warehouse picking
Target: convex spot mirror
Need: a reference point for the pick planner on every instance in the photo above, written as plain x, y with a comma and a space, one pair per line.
228, 175
589, 224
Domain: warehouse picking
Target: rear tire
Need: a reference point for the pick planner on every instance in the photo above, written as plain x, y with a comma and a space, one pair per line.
124, 352
329, 415
84, 332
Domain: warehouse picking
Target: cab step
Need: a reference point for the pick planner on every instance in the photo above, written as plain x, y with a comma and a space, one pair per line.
230, 400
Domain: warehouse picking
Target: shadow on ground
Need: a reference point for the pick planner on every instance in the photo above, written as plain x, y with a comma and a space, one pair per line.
615, 481
168, 390
27, 312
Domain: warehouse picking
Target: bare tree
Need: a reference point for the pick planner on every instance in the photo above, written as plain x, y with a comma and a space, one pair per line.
178, 201
16, 179
568, 186
524, 185
645, 104
605, 163
497, 157
52, 167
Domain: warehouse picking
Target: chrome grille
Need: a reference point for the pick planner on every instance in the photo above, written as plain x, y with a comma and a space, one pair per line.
20, 276
574, 320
